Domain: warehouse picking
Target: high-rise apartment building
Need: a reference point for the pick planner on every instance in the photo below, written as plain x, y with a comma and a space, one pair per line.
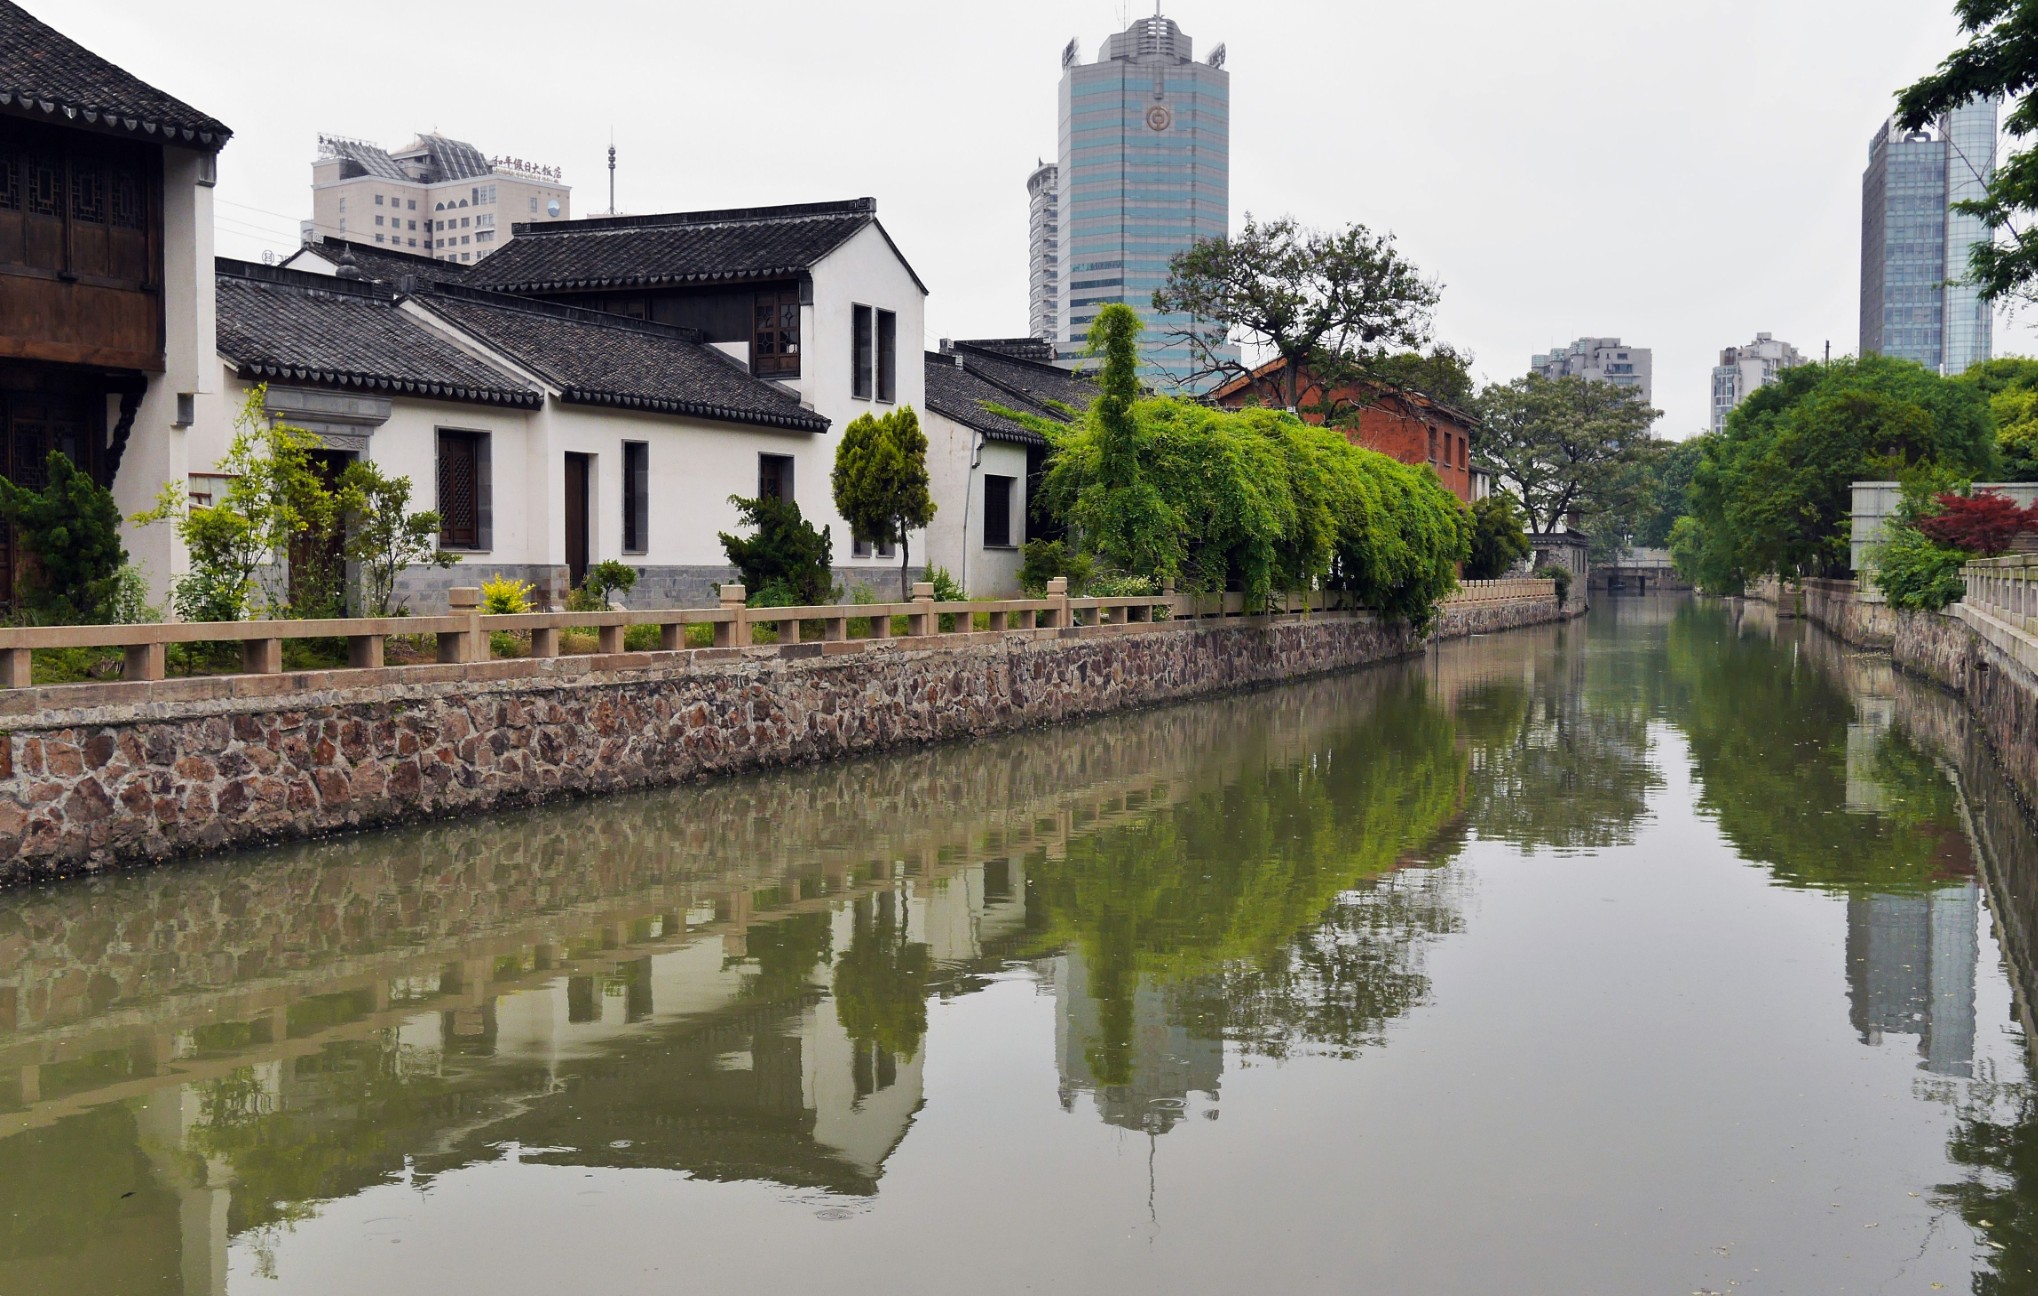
1743, 370
1914, 247
1144, 171
438, 197
1043, 250
1601, 359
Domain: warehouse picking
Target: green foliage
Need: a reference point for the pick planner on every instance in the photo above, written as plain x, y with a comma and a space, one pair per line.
1120, 585
2000, 61
1559, 574
1562, 445
1445, 374
1498, 541
881, 979
1914, 571
1251, 499
945, 591
71, 529
786, 553
1670, 466
2011, 387
384, 538
880, 481
1772, 492
128, 601
600, 584
1694, 558
505, 595
1305, 294
1043, 560
273, 495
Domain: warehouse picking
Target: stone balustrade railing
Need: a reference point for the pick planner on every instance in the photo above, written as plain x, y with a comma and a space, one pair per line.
2006, 588
464, 636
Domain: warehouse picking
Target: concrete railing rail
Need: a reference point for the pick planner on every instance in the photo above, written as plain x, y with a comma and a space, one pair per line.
2006, 588
464, 635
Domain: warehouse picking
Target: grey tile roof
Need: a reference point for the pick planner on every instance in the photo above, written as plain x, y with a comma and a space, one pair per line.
384, 264
683, 247
51, 77
982, 382
291, 326
599, 359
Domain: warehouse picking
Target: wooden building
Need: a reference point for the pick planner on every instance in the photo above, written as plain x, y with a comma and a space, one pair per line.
105, 268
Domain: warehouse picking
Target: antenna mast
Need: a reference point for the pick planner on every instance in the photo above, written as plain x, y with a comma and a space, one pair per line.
612, 173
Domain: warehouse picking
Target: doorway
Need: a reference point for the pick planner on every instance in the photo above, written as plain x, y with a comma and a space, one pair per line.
578, 471
318, 563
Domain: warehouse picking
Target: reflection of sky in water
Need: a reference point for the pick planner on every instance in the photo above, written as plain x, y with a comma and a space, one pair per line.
1538, 964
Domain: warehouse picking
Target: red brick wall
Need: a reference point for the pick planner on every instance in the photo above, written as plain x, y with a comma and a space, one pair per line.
1394, 426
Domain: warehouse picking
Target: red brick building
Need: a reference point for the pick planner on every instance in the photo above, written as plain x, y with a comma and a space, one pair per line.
1406, 425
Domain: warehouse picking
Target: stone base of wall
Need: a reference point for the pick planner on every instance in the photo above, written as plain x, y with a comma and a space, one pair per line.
96, 776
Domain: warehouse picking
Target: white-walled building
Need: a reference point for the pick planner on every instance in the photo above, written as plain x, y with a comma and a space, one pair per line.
1601, 359
813, 299
1744, 370
548, 437
436, 196
986, 459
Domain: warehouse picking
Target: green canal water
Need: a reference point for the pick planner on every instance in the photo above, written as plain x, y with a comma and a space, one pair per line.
1671, 951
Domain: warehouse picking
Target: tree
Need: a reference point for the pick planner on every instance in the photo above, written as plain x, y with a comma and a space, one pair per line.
383, 537
1559, 445
1772, 491
274, 495
72, 527
787, 561
1498, 542
2011, 387
1306, 294
1999, 61
1983, 524
880, 482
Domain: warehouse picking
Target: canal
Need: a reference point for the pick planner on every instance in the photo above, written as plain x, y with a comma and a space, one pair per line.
1675, 950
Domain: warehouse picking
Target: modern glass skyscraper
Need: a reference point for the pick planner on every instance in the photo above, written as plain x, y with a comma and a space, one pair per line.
1043, 252
1914, 247
1145, 170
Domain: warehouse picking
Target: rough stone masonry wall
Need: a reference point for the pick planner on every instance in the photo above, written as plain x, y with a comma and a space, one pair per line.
102, 776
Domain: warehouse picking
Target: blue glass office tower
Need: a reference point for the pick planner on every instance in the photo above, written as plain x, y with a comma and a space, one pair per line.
1145, 170
1914, 247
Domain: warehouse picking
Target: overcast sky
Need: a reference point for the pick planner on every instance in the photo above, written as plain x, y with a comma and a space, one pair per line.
1679, 174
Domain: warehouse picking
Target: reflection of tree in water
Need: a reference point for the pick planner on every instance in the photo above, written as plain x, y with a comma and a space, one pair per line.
1217, 886
881, 980
1996, 1139
1558, 763
1770, 740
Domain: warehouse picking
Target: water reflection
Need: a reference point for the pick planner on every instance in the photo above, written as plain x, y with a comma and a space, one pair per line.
736, 983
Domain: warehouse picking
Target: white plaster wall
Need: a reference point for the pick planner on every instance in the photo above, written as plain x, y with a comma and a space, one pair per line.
863, 271
956, 540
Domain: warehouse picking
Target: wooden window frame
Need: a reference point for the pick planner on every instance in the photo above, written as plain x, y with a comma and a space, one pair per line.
775, 351
1001, 537
484, 490
862, 351
636, 497
887, 357
780, 467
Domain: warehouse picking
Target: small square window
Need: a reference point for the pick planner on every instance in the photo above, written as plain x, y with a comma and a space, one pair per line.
775, 477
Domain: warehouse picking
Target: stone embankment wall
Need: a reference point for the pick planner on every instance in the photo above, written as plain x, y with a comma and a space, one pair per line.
96, 776
1992, 665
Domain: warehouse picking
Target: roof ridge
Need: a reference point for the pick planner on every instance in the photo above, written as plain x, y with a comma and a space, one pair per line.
718, 216
282, 276
558, 310
201, 128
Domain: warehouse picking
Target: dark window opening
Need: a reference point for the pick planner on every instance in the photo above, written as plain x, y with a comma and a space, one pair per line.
463, 489
998, 511
887, 356
861, 342
775, 334
775, 477
636, 496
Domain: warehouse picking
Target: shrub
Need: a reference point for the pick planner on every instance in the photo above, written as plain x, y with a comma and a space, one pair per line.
1982, 524
786, 551
1561, 575
1040, 561
1915, 571
946, 591
1498, 540
505, 595
384, 538
128, 603
880, 481
72, 528
608, 578
1120, 585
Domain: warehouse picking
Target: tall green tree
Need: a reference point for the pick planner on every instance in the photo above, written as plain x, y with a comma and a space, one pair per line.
880, 482
72, 528
1304, 294
1771, 493
2011, 386
2000, 60
1498, 541
1559, 445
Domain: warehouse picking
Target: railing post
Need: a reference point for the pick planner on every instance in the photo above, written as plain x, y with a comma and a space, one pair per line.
735, 631
261, 656
609, 639
922, 622
1058, 594
467, 645
364, 652
143, 662
16, 668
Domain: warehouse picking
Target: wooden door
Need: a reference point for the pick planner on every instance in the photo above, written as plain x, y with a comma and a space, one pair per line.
32, 424
576, 517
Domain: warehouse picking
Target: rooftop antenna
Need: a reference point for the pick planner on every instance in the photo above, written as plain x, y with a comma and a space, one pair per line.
612, 171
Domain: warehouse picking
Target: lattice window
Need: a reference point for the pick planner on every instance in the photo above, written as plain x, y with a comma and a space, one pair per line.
88, 195
44, 172
11, 182
460, 490
130, 209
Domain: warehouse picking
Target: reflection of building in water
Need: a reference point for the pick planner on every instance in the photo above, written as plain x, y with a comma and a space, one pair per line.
1910, 971
1126, 1049
1867, 791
